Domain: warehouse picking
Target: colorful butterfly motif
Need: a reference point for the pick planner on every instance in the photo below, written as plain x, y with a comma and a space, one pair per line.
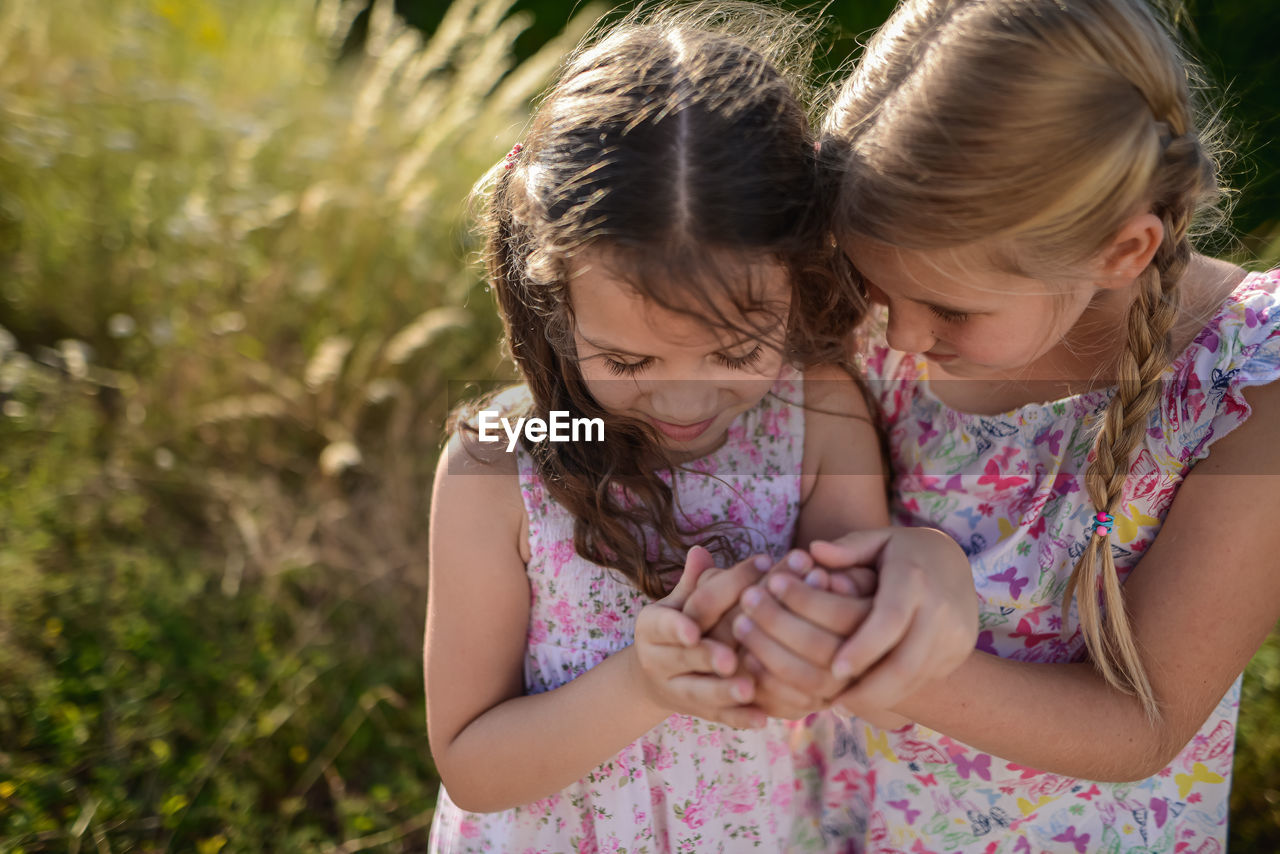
1051, 439
991, 475
905, 806
1199, 774
1010, 577
1213, 746
1080, 842
982, 823
979, 765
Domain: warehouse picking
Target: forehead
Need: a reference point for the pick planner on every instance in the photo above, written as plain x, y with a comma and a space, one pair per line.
977, 272
719, 301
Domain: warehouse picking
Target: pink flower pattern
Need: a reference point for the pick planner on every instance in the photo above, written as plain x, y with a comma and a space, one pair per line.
687, 785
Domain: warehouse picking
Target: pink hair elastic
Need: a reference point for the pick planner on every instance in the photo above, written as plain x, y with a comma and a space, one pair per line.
512, 155
1101, 524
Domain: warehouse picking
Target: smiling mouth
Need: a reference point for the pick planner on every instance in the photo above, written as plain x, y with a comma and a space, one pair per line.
682, 432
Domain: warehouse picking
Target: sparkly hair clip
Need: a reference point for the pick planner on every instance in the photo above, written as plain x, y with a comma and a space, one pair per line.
512, 155
1101, 524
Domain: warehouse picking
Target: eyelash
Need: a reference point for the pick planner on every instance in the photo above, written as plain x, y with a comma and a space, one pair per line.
737, 363
948, 316
626, 369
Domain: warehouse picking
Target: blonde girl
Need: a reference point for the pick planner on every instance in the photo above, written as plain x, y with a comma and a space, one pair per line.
659, 247
1083, 402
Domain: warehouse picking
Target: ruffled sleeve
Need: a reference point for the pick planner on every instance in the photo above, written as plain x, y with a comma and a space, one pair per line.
1203, 397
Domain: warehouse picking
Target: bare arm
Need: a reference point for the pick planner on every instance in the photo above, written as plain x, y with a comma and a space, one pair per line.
494, 747
1201, 602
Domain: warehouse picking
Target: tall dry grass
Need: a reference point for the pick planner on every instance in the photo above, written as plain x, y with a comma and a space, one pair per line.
234, 283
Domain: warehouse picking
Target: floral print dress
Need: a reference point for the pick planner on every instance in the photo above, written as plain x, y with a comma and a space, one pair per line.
687, 785
1009, 489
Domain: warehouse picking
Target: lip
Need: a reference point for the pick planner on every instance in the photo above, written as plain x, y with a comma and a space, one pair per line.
682, 432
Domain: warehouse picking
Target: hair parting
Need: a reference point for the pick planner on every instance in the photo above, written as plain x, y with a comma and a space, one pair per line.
673, 145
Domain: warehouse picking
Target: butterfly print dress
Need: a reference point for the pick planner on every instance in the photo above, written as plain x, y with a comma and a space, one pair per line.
1009, 489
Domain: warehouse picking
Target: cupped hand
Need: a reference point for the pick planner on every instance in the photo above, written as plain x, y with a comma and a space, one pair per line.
921, 623
682, 671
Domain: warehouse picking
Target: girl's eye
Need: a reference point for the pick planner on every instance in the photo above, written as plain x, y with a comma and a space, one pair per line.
948, 316
741, 363
626, 369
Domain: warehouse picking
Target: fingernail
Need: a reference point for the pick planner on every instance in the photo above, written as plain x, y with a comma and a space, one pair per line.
752, 597
742, 626
840, 669
797, 560
762, 563
814, 578
739, 692
779, 584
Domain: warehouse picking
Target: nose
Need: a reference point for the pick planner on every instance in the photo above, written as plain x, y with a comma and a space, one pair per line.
909, 329
683, 401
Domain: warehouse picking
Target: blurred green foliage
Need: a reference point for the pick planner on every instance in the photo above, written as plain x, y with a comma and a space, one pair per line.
234, 278
1234, 40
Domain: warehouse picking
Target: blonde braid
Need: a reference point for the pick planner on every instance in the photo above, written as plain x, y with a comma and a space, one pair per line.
1150, 322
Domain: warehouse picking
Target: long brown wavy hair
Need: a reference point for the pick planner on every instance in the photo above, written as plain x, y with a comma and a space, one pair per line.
1043, 124
671, 142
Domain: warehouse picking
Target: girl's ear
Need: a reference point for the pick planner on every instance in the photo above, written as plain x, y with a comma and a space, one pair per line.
1131, 249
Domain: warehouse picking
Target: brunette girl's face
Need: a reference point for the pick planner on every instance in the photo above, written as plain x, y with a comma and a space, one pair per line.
956, 308
687, 377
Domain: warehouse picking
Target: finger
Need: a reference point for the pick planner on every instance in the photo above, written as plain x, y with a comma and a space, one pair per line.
723, 630
709, 696
778, 699
782, 662
883, 629
806, 639
836, 613
696, 562
864, 581
716, 595
658, 624
897, 676
858, 548
818, 579
706, 658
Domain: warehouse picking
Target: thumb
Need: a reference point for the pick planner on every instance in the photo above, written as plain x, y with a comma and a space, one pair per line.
697, 561
858, 548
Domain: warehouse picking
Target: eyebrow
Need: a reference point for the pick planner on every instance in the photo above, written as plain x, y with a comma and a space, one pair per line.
609, 348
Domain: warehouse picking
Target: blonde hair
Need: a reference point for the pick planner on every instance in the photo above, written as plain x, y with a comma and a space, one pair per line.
1044, 125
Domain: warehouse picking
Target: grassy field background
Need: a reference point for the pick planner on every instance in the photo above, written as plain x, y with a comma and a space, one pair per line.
235, 278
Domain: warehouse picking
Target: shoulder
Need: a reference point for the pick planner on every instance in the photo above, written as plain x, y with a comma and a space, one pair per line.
1234, 347
840, 432
843, 483
477, 490
832, 392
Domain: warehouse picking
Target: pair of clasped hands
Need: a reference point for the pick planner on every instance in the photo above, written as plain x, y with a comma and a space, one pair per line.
858, 624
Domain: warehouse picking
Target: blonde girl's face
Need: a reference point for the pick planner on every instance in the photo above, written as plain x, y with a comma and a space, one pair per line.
963, 314
686, 377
